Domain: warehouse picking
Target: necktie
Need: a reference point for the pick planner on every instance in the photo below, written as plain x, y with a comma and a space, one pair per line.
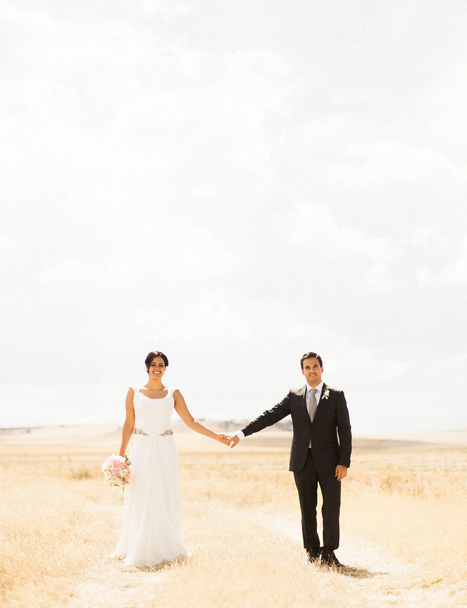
313, 405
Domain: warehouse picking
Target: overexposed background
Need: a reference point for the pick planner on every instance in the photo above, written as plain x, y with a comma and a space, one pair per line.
234, 183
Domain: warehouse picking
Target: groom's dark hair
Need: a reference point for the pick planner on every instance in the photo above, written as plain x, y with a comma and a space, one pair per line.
311, 356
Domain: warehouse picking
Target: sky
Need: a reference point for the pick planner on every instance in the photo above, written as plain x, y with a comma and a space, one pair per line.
235, 184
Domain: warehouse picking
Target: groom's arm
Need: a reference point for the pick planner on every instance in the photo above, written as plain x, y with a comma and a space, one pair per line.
344, 431
267, 418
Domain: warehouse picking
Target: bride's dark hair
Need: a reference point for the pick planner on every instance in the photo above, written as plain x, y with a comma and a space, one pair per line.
152, 355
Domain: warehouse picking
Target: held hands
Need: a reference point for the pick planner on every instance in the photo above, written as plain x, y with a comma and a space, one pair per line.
232, 440
222, 438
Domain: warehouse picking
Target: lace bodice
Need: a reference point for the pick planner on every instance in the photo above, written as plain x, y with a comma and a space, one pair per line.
152, 416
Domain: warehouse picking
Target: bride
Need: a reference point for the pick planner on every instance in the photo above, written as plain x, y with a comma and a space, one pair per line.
152, 523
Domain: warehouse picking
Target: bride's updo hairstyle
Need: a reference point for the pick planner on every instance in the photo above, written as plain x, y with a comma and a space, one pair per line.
152, 355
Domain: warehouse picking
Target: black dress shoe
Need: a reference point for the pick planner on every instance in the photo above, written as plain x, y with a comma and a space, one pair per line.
330, 559
314, 555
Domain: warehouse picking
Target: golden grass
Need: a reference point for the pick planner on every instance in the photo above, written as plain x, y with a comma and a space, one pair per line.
403, 522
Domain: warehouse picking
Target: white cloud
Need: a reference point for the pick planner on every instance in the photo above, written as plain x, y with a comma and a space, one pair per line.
7, 244
171, 9
67, 271
61, 404
235, 183
424, 276
424, 236
443, 104
384, 161
454, 271
457, 270
315, 224
319, 223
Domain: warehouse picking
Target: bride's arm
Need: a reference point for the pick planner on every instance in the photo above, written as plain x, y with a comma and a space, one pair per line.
183, 412
129, 423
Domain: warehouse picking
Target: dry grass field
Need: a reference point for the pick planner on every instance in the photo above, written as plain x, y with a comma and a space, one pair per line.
403, 526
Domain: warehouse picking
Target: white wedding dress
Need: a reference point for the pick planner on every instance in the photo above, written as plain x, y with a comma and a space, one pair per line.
152, 522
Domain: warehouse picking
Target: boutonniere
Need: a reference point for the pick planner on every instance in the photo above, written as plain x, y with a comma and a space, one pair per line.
326, 394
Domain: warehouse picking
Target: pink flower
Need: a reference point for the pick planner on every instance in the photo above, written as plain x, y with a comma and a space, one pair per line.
116, 470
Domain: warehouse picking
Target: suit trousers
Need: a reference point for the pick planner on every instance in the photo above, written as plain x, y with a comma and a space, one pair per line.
307, 481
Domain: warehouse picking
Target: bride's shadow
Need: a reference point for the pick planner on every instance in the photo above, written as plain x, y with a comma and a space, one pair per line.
163, 566
158, 568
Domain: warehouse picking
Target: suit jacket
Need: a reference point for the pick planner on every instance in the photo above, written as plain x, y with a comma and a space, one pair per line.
329, 433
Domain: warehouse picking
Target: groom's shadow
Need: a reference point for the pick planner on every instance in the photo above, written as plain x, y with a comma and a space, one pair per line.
355, 572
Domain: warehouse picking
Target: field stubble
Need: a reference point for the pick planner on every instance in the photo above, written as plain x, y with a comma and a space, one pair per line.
403, 522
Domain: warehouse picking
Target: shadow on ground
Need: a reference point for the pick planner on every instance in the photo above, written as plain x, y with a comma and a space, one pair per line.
358, 572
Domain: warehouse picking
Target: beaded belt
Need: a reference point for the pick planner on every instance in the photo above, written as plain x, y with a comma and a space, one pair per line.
141, 432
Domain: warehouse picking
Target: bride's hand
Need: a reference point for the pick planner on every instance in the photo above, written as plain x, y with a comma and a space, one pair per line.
222, 438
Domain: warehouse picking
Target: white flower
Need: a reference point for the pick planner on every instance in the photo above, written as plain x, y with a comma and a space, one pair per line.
326, 394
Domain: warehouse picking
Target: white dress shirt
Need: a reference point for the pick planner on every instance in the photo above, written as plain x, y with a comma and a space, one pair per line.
319, 390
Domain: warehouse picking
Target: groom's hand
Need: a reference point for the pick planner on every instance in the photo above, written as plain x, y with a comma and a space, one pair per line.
232, 441
341, 472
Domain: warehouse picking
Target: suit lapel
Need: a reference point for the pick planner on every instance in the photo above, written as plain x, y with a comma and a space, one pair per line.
322, 393
320, 402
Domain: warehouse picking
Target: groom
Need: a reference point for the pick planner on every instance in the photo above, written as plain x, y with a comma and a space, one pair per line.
320, 453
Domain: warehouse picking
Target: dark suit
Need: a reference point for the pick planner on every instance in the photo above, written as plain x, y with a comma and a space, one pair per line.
331, 442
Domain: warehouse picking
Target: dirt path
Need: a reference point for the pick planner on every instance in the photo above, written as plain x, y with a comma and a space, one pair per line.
374, 573
374, 577
112, 585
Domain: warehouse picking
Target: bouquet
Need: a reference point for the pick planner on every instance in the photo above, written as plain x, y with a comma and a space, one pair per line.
117, 470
